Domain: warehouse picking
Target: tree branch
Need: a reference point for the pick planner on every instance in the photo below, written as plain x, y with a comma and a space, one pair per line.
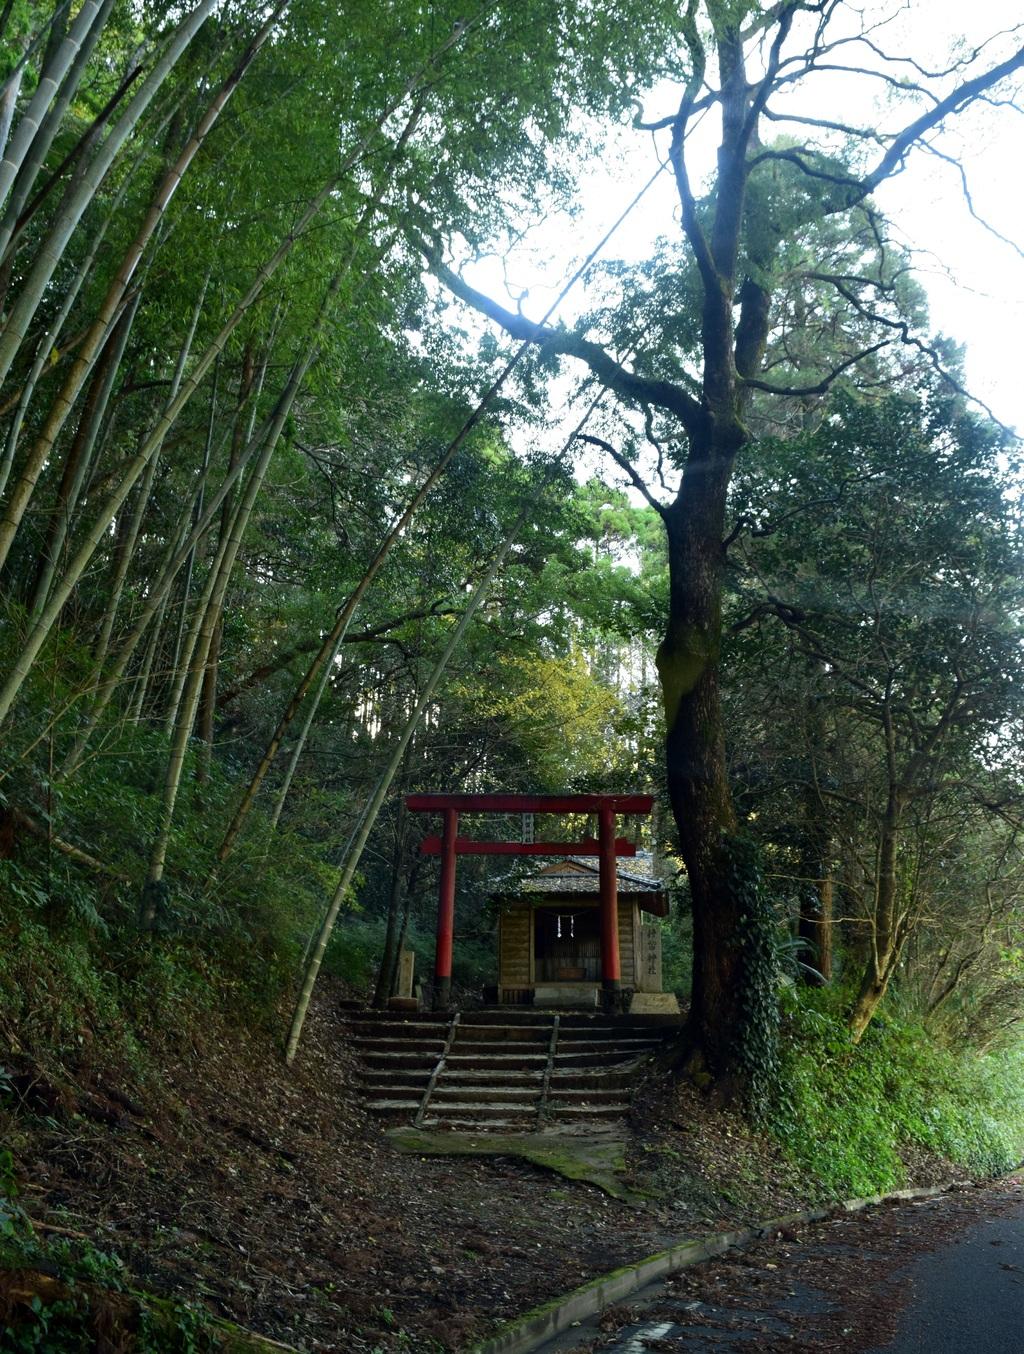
373, 632
823, 385
902, 327
74, 853
963, 94
951, 160
625, 465
639, 390
691, 222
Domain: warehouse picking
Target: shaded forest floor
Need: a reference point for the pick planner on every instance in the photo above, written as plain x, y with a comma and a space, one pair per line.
268, 1195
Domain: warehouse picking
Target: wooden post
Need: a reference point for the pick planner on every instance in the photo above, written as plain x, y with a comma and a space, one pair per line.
611, 972
446, 913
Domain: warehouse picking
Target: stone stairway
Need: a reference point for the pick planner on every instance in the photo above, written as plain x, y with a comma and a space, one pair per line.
505, 1070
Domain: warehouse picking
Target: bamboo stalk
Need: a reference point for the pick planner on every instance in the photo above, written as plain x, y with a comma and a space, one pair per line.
175, 557
50, 80
40, 145
336, 635
100, 328
368, 817
79, 458
384, 785
79, 195
211, 611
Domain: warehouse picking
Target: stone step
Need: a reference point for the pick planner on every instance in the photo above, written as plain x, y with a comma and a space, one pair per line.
400, 1060
541, 1034
537, 1062
611, 1044
393, 1087
570, 1079
493, 1077
615, 1058
496, 1092
501, 1047
507, 1064
512, 1015
601, 1030
532, 1034
484, 1110
381, 1045
390, 1029
497, 1062
392, 1071
538, 1014
465, 1125
604, 1095
504, 1078
561, 1109
460, 1093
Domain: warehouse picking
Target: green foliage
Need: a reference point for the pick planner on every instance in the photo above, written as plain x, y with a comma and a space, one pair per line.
846, 1111
12, 1218
95, 1304
677, 950
358, 942
557, 712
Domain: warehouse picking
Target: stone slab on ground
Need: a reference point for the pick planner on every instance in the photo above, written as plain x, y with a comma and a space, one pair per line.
654, 1003
597, 1159
565, 995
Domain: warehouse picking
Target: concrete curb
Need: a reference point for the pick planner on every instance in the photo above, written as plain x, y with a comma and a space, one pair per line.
532, 1330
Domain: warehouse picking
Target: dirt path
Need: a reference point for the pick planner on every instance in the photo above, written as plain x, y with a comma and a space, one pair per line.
270, 1196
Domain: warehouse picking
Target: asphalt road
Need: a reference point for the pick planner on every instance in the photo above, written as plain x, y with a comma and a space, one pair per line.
968, 1295
937, 1276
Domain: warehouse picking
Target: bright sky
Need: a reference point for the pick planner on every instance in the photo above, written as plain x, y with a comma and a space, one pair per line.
975, 282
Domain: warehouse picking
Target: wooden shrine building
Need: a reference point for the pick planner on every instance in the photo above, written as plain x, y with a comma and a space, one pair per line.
549, 935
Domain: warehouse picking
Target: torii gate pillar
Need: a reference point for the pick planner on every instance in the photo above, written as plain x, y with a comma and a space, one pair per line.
446, 912
608, 888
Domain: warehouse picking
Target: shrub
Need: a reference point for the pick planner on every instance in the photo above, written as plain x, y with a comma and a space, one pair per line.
845, 1111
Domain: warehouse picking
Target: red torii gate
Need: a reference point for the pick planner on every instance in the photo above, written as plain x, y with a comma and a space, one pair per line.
450, 845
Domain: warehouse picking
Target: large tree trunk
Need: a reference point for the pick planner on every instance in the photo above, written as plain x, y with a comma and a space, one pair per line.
698, 785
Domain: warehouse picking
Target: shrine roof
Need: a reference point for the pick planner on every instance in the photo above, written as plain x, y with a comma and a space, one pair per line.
579, 874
